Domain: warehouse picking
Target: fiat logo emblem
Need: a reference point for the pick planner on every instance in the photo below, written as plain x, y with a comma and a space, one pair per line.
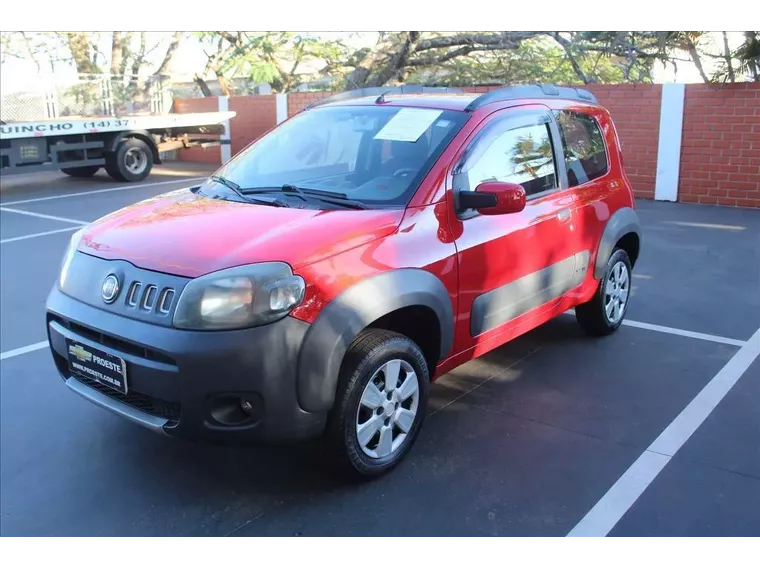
110, 288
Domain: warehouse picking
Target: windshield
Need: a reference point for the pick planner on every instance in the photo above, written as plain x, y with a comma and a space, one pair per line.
371, 154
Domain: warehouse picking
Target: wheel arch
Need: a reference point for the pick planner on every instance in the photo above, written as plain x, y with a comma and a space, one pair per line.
388, 300
622, 229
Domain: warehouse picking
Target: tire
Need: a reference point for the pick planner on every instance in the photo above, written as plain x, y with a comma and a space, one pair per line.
131, 161
366, 361
82, 172
593, 316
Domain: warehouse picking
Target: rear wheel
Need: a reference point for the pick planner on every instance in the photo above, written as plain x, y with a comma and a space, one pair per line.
131, 161
81, 172
380, 404
604, 313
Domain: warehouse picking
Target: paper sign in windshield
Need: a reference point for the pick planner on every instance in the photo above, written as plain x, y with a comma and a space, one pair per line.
408, 124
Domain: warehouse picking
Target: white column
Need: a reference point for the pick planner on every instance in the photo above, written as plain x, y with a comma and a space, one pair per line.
669, 145
281, 100
224, 106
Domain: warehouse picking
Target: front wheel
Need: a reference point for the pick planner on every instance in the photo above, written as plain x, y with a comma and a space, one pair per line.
604, 313
381, 402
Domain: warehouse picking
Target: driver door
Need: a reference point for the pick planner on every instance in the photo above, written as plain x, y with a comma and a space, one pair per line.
513, 268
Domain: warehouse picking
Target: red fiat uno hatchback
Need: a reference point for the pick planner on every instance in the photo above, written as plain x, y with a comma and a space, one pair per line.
321, 280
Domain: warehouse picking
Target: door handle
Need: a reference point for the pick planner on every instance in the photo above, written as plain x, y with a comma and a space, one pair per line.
563, 215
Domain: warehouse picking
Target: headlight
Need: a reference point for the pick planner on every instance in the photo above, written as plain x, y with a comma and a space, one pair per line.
68, 256
244, 296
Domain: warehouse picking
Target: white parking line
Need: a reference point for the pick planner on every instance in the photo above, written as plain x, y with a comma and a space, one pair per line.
678, 331
33, 235
43, 216
684, 333
603, 517
22, 350
81, 193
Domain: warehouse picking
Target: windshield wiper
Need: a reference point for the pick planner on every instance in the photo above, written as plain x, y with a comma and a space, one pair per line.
236, 188
327, 196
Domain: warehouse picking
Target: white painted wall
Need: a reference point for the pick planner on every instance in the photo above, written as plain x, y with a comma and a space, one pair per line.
224, 106
669, 144
281, 101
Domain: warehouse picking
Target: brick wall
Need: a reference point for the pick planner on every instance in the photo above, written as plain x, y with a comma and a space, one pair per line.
255, 116
720, 149
298, 101
635, 110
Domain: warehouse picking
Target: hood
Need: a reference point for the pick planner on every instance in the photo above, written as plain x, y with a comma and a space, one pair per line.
190, 235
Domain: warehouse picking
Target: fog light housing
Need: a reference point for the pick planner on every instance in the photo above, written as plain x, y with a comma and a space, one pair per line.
236, 409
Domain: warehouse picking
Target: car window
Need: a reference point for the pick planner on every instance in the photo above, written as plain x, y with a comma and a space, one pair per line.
584, 149
374, 154
522, 155
336, 146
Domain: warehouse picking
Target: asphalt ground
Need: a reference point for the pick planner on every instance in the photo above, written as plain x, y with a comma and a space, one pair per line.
652, 431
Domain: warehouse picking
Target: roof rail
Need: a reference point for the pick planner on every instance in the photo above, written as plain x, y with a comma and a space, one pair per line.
531, 92
377, 91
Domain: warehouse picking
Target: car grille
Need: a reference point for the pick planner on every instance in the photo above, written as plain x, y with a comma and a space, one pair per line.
151, 405
114, 342
148, 297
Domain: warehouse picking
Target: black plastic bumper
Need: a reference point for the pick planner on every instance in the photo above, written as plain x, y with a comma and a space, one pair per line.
190, 384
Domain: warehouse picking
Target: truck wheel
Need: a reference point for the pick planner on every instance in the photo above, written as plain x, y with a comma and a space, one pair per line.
381, 403
604, 313
83, 172
131, 161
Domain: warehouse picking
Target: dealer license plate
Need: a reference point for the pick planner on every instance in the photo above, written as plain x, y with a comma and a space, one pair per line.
97, 365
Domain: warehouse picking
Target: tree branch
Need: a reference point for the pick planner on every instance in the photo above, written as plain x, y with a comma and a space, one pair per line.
506, 40
566, 45
727, 55
170, 52
454, 53
31, 53
692, 49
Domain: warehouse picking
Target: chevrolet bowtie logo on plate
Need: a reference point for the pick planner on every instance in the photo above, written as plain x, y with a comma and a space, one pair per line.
110, 288
80, 353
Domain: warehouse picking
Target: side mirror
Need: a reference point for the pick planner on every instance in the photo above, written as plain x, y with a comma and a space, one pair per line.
494, 198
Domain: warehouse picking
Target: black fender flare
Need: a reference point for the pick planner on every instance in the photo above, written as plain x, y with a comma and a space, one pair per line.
112, 142
622, 222
341, 320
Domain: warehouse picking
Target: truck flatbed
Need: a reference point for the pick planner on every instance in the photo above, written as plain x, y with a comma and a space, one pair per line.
95, 124
127, 146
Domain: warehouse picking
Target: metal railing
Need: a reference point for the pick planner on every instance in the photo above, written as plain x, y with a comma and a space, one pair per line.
89, 95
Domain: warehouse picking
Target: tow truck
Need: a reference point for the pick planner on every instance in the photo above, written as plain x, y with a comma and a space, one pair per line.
82, 127
126, 146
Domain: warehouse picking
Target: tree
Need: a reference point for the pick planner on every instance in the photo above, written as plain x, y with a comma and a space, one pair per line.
746, 56
285, 59
536, 60
282, 59
397, 53
749, 55
129, 54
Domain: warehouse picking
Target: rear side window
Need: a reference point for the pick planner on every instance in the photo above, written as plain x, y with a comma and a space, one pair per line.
585, 152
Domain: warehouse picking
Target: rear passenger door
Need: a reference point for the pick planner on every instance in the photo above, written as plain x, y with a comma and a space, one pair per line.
513, 266
587, 166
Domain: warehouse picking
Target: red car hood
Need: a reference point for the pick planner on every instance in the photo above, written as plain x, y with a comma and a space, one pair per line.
189, 235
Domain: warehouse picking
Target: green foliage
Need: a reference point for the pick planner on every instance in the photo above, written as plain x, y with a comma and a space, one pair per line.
282, 59
538, 60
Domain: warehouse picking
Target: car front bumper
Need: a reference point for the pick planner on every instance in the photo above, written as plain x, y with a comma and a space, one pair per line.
190, 384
